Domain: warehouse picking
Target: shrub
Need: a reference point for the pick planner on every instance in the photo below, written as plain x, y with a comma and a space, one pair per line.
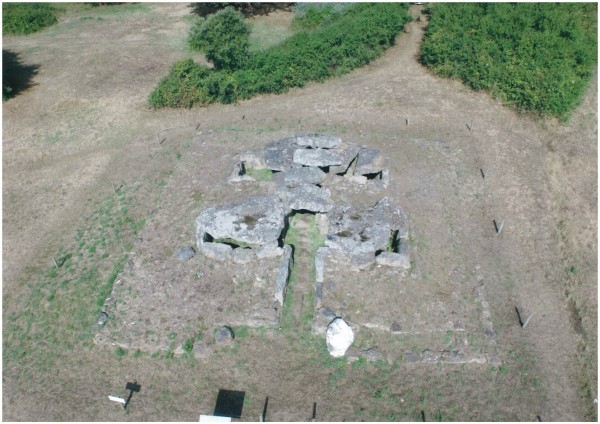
26, 18
346, 41
535, 56
311, 15
223, 38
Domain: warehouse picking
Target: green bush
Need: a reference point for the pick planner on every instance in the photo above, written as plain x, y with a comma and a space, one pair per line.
348, 40
223, 37
311, 15
534, 56
25, 18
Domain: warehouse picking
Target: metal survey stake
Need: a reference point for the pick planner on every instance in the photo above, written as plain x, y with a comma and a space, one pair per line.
132, 387
423, 415
482, 174
519, 316
495, 226
314, 415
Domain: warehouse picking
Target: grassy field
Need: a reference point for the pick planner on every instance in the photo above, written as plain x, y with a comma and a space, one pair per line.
89, 168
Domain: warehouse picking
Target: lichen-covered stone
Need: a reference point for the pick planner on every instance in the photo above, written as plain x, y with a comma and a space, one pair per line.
308, 197
279, 155
255, 221
370, 161
242, 256
317, 157
283, 274
304, 175
216, 251
318, 140
393, 259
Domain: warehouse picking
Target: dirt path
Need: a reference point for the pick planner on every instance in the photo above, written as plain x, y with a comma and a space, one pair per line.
85, 124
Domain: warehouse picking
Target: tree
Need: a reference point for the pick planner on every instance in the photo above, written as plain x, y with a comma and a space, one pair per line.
223, 38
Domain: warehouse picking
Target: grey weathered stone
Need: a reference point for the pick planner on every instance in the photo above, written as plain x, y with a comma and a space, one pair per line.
322, 252
102, 319
269, 250
283, 273
224, 334
318, 140
308, 197
242, 256
371, 354
185, 253
387, 211
370, 161
279, 155
217, 251
396, 328
352, 354
431, 356
253, 159
354, 231
255, 221
453, 357
362, 260
201, 350
348, 153
323, 318
304, 175
393, 259
239, 174
316, 157
357, 179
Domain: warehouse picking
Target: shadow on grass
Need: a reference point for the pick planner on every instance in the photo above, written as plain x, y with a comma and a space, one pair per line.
248, 9
16, 76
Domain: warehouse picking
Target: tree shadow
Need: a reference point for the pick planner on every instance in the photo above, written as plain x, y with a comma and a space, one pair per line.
248, 9
16, 76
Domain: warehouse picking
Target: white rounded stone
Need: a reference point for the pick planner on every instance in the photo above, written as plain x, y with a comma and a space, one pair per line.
339, 337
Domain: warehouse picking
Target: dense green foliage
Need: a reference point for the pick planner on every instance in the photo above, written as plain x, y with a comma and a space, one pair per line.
25, 18
341, 43
223, 38
534, 56
311, 15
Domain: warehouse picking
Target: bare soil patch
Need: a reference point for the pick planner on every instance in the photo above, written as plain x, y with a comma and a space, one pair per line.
84, 125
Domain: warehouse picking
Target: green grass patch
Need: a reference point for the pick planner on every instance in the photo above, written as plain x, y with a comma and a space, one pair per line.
533, 56
59, 313
336, 46
27, 18
260, 174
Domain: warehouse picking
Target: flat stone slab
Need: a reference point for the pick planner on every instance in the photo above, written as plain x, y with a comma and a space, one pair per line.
283, 274
370, 161
216, 251
316, 157
393, 259
304, 175
355, 231
318, 141
185, 253
255, 221
279, 155
308, 197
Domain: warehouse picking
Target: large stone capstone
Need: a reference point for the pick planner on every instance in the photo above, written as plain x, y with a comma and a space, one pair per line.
254, 222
